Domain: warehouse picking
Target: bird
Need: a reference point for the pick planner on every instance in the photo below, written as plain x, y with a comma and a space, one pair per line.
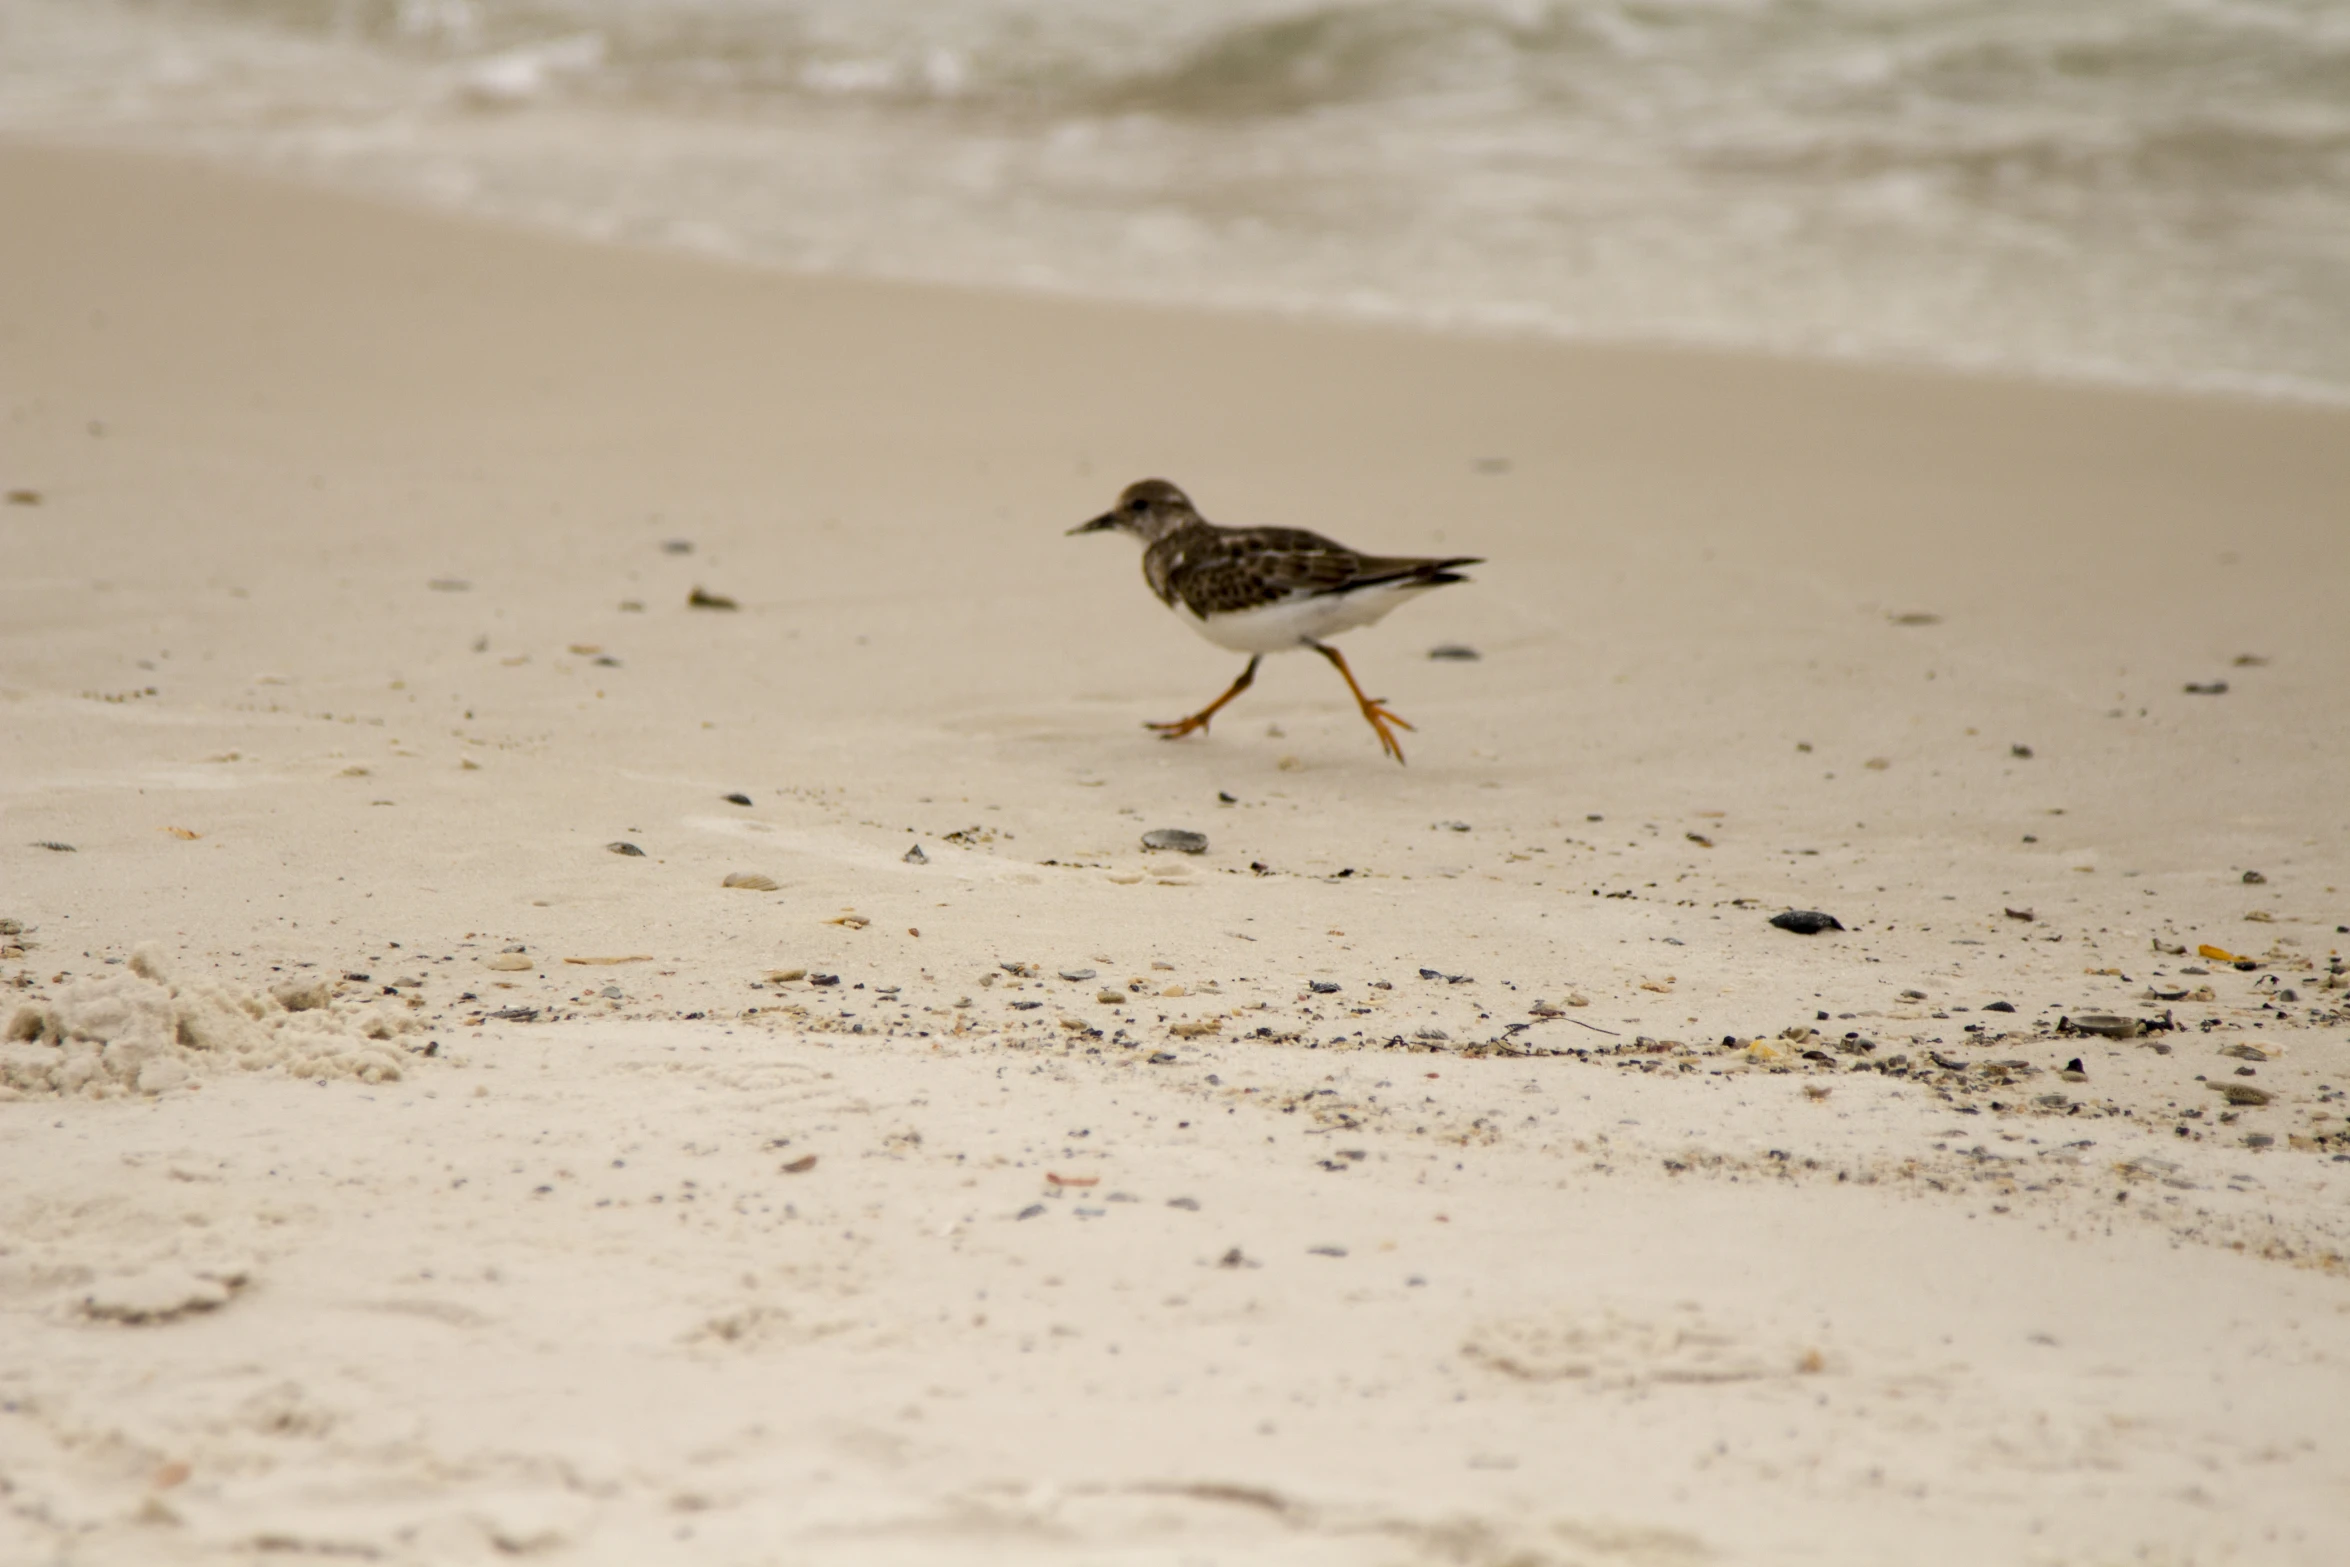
1267, 590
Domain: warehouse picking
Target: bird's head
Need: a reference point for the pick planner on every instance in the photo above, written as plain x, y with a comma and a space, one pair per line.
1150, 509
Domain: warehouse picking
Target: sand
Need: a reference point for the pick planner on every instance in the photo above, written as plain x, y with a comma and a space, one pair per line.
390, 1168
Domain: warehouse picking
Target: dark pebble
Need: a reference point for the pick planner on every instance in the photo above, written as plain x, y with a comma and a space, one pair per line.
1034, 1210
736, 799
1181, 839
1162, 1058
1806, 922
1455, 653
677, 546
2208, 688
699, 599
2020, 752
823, 979
2254, 879
55, 847
915, 856
621, 846
1322, 987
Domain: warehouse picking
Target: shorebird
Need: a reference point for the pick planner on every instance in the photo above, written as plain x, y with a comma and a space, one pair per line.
1266, 590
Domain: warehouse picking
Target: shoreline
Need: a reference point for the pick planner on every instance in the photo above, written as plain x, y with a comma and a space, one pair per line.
2266, 389
346, 635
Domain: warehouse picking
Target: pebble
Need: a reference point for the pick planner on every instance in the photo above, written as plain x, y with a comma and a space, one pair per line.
824, 979
2243, 1093
915, 856
749, 881
1181, 839
677, 546
2207, 688
1999, 1006
1454, 653
2255, 879
509, 963
737, 798
1322, 987
621, 846
1076, 975
1109, 998
698, 599
2106, 1024
2244, 1052
1806, 922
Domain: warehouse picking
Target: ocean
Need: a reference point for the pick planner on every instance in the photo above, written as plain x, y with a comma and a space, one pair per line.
2143, 192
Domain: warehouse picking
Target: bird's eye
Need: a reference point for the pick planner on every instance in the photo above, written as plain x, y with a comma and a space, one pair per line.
1138, 505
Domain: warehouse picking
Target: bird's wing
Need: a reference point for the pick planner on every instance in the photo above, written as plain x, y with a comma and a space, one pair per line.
1216, 571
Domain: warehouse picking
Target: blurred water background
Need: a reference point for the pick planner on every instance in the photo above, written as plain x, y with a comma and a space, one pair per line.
2153, 192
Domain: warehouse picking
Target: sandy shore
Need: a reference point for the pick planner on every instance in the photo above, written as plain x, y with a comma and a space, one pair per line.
434, 1185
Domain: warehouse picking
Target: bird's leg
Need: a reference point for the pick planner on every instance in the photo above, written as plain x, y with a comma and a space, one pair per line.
1374, 714
1199, 720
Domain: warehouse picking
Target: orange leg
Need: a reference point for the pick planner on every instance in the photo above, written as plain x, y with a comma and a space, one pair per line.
1374, 714
1199, 720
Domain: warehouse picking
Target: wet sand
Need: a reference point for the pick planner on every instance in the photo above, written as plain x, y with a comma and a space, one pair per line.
1591, 1218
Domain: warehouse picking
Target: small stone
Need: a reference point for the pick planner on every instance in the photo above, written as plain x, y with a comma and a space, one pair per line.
784, 976
2106, 1024
2243, 1052
737, 798
2022, 753
24, 497
509, 963
1077, 975
749, 881
1322, 987
621, 846
1162, 1058
700, 599
1806, 922
1180, 839
1999, 1006
677, 546
1454, 653
1913, 995
2243, 1093
2207, 688
915, 856
824, 979
2255, 879
1109, 998
801, 1166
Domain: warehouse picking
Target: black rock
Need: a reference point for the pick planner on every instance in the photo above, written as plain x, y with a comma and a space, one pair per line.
737, 799
1322, 987
1806, 922
625, 848
1454, 653
1999, 1006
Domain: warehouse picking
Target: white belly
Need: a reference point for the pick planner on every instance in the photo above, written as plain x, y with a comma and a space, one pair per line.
1276, 628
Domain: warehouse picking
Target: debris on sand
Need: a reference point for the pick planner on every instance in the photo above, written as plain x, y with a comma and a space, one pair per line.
1806, 922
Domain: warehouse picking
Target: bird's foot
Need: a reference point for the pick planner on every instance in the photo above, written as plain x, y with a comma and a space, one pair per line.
1176, 730
1375, 714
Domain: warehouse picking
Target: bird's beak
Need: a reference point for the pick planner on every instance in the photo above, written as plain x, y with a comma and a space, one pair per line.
1106, 520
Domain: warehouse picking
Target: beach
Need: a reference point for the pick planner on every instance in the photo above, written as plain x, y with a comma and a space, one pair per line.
411, 624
